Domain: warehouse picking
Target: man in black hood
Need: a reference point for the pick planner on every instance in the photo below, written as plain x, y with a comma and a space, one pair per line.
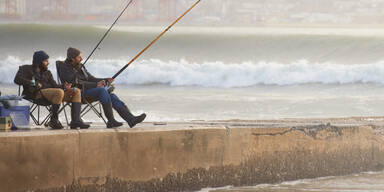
73, 72
38, 83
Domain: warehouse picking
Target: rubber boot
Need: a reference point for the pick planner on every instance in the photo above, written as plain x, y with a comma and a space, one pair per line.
129, 117
112, 123
54, 123
76, 122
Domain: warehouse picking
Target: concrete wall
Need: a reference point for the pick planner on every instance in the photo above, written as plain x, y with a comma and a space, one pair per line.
182, 159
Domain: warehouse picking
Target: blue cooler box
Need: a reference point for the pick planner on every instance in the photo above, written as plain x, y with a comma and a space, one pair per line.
19, 113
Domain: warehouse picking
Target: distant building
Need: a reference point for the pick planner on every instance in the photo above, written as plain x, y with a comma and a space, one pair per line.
12, 8
217, 12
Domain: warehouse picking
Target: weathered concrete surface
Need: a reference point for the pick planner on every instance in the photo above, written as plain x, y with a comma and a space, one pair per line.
183, 157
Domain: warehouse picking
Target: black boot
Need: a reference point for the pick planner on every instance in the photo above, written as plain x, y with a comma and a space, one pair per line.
54, 123
112, 123
75, 117
129, 117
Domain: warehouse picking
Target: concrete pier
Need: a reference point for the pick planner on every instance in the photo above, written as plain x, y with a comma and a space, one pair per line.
189, 156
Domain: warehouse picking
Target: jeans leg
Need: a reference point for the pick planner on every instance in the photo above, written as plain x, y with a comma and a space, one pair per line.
100, 93
116, 102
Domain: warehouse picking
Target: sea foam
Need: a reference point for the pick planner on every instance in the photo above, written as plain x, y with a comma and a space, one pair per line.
219, 74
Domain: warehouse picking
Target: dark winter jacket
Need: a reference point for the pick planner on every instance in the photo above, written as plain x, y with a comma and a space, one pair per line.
24, 76
78, 75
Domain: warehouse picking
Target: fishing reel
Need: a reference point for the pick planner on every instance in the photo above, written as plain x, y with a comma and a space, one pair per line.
109, 87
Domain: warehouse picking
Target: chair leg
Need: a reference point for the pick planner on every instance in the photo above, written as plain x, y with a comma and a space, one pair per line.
38, 122
85, 110
65, 112
33, 108
36, 108
38, 115
100, 113
92, 107
60, 110
46, 119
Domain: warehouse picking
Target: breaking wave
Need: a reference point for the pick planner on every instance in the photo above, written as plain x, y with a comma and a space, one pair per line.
219, 74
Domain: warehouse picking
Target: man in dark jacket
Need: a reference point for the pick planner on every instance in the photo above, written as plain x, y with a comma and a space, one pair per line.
73, 72
38, 83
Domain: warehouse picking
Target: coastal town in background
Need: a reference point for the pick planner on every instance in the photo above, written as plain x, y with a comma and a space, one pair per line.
209, 12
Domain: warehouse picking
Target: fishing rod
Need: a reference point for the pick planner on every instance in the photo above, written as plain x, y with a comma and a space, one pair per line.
106, 33
158, 37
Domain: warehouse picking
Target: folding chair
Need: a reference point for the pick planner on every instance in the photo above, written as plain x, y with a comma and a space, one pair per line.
35, 110
90, 103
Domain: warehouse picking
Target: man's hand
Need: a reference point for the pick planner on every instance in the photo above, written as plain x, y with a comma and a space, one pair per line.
39, 85
67, 86
70, 92
101, 83
68, 89
111, 80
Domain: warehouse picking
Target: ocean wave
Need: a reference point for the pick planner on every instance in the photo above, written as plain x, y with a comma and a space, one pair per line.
219, 74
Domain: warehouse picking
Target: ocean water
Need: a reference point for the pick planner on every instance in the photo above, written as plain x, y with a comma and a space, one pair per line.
166, 103
364, 182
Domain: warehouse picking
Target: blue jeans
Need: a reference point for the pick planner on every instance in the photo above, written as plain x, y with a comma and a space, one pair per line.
104, 97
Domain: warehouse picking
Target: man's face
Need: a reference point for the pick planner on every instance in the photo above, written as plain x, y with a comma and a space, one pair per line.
78, 59
44, 65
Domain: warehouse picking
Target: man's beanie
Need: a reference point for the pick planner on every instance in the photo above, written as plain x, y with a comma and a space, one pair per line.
39, 57
72, 53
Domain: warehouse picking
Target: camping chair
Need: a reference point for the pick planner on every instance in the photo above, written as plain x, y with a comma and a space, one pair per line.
36, 109
90, 103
